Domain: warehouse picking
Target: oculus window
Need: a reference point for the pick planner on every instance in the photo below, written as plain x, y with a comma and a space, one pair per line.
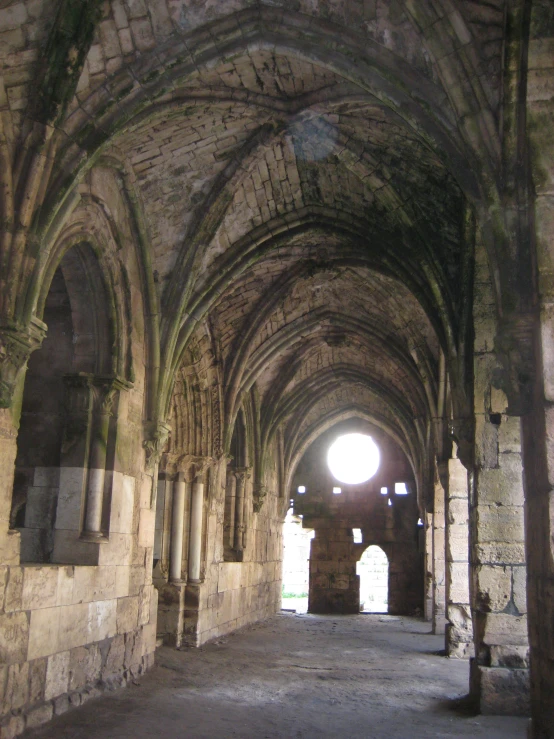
353, 458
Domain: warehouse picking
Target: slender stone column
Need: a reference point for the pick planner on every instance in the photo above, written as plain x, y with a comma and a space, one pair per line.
239, 516
196, 521
177, 533
104, 392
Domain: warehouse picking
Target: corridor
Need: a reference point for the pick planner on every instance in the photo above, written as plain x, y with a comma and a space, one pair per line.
296, 676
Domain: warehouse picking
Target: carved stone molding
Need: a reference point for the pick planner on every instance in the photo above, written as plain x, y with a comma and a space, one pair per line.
16, 345
259, 495
462, 432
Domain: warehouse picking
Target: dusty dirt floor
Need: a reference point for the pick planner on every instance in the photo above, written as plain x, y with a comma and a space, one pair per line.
296, 677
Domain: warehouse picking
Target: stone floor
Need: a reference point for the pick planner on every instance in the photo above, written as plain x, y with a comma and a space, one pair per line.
296, 677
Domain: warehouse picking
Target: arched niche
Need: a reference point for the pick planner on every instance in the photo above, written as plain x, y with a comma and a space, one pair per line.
78, 347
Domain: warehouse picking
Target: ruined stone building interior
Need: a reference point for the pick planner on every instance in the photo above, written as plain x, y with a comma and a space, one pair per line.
231, 232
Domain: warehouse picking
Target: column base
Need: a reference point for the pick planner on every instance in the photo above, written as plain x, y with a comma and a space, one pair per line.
95, 536
500, 691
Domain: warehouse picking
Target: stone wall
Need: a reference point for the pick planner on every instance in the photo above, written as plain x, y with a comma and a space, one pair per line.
389, 521
69, 632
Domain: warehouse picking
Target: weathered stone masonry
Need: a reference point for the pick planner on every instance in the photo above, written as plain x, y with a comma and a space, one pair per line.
229, 230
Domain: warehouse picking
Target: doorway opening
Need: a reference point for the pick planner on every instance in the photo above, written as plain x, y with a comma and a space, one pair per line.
296, 563
373, 570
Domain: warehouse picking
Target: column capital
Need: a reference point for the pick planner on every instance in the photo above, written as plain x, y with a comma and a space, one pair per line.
156, 434
242, 473
462, 432
16, 345
258, 496
189, 465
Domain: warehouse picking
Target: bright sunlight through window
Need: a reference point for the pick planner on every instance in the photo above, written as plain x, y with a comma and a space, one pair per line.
353, 458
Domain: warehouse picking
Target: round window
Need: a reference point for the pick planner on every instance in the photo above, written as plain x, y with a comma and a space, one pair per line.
353, 458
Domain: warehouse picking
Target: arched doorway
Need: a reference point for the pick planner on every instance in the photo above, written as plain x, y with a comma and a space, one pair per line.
296, 563
373, 571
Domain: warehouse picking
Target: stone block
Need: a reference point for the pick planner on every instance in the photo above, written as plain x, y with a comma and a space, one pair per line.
136, 579
37, 679
39, 715
144, 605
14, 637
503, 629
44, 632
149, 639
102, 620
66, 579
119, 550
127, 614
230, 575
70, 498
492, 587
500, 523
61, 705
94, 584
74, 628
40, 587
458, 576
146, 527
122, 581
123, 501
57, 675
458, 511
3, 580
520, 588
84, 666
46, 477
115, 657
41, 506
14, 590
500, 691
68, 547
457, 544
17, 688
11, 727
500, 553
503, 485
512, 656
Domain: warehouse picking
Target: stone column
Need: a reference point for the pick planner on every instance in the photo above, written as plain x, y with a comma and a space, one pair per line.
103, 394
429, 584
439, 568
196, 523
459, 629
499, 672
177, 532
538, 425
239, 515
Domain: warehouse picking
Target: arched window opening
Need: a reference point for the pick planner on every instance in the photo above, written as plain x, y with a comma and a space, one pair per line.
235, 506
296, 563
373, 571
66, 440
